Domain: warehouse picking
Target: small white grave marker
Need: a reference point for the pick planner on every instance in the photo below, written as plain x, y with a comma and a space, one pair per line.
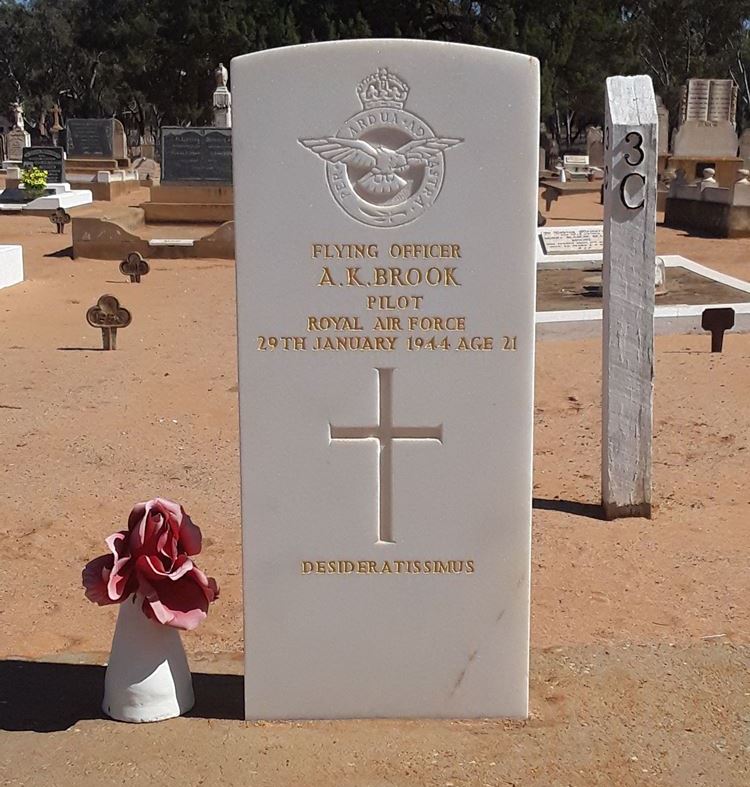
386, 214
628, 274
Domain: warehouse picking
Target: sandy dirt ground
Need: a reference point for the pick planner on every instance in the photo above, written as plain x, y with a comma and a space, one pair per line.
640, 629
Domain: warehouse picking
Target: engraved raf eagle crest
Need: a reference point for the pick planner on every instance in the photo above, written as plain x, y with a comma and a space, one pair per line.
385, 166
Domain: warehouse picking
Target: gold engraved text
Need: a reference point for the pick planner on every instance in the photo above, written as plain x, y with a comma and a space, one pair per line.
387, 567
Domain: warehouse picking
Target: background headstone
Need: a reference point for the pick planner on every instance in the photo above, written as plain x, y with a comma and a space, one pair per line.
595, 146
722, 100
119, 140
15, 141
628, 276
386, 451
57, 125
51, 159
148, 145
745, 148
196, 155
663, 114
707, 113
694, 103
90, 138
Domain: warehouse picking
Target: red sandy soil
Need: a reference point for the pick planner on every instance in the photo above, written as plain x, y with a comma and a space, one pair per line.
640, 629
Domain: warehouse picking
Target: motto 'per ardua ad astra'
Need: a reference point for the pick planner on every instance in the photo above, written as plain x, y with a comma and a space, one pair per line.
153, 559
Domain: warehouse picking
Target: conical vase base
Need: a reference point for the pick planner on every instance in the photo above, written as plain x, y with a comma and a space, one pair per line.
148, 677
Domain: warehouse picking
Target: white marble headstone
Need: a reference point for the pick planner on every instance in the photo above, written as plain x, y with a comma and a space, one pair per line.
15, 141
386, 212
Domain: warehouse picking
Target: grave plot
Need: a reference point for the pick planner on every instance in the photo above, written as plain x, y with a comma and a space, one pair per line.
195, 189
569, 301
120, 230
196, 177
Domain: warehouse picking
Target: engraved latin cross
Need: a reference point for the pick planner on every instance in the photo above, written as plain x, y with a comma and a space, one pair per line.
383, 434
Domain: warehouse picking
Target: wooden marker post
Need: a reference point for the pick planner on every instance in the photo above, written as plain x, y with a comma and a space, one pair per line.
630, 157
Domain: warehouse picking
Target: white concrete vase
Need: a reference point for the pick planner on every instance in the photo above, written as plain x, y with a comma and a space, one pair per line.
148, 677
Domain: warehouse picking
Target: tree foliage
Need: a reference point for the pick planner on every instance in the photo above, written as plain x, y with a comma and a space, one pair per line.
150, 62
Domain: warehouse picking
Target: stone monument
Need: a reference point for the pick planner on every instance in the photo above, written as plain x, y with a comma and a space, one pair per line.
57, 125
595, 146
17, 138
663, 115
706, 135
222, 99
385, 225
98, 157
196, 177
745, 148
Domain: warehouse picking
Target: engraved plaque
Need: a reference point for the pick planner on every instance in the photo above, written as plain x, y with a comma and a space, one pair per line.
386, 218
568, 240
50, 159
720, 100
196, 155
697, 99
89, 137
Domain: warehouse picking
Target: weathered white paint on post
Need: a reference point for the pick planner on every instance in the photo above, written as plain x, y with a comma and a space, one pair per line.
630, 158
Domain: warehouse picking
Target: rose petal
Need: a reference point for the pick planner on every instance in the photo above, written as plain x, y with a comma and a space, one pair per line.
181, 604
119, 586
191, 539
209, 585
168, 508
137, 526
152, 607
95, 576
151, 568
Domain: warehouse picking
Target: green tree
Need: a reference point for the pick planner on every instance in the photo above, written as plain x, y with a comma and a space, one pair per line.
679, 39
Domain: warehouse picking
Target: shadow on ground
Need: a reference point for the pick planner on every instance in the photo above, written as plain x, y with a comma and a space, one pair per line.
590, 510
66, 252
42, 696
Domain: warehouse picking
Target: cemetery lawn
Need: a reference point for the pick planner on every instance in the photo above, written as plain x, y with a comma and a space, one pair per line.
640, 629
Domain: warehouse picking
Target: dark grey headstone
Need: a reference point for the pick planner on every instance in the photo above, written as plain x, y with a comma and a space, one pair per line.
196, 155
89, 137
51, 159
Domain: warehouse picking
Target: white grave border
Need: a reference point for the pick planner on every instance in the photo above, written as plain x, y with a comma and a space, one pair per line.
11, 265
677, 318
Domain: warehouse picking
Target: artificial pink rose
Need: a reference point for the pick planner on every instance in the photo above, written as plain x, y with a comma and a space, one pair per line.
153, 558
